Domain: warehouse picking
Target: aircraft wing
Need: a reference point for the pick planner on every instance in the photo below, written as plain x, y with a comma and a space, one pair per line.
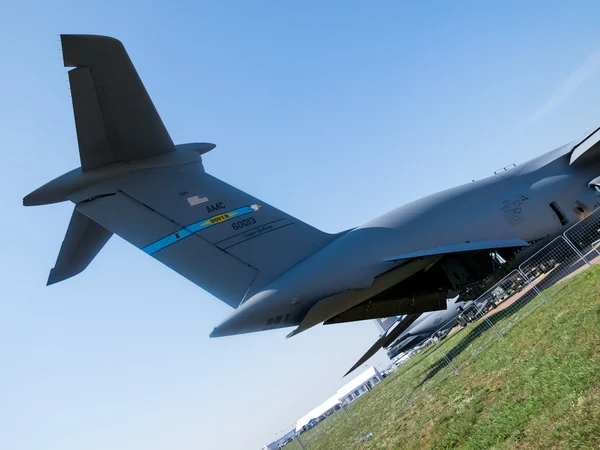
386, 340
586, 148
419, 284
463, 247
445, 269
337, 304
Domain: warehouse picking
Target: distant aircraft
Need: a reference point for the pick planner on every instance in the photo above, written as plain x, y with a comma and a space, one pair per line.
401, 334
275, 270
422, 328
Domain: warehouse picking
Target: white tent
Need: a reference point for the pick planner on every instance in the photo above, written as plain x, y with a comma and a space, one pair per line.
368, 374
342, 392
321, 409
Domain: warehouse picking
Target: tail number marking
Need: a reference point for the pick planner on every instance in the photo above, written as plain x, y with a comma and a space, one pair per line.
243, 223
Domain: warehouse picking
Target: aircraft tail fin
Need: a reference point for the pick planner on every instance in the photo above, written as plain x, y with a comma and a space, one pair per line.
83, 241
383, 325
115, 118
135, 183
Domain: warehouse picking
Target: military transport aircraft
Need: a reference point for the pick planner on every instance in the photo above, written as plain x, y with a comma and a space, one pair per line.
275, 270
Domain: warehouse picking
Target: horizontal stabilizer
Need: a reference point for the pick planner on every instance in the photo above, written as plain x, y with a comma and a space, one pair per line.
464, 247
83, 241
115, 118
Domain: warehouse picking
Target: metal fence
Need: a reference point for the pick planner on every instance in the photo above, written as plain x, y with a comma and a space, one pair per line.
459, 342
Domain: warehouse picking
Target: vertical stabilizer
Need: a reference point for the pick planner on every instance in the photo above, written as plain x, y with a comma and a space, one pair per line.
383, 325
115, 118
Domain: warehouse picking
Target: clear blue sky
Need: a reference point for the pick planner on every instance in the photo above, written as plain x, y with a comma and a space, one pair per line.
334, 113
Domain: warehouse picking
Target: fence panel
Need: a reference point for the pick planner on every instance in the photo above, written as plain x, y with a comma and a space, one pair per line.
508, 302
428, 369
383, 400
467, 336
335, 431
294, 444
585, 236
553, 267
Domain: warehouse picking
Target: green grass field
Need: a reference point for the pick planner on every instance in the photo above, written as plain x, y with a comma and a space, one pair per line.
536, 387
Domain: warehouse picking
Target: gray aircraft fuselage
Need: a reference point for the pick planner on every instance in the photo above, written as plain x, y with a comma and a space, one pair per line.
511, 204
274, 269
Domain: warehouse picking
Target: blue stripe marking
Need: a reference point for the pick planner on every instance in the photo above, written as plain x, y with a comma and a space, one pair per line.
166, 241
195, 227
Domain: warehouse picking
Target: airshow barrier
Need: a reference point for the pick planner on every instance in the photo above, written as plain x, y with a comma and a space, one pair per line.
457, 343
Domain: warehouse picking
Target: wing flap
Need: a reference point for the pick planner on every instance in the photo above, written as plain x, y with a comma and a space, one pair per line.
338, 303
383, 307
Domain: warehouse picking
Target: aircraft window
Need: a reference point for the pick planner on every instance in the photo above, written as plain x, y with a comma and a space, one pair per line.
277, 320
269, 321
561, 215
